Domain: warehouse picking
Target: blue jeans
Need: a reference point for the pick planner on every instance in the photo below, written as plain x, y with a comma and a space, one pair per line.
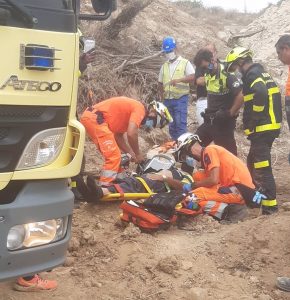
178, 111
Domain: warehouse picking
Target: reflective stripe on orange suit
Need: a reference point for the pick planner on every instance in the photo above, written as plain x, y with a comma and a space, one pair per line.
104, 139
288, 84
211, 201
117, 113
232, 171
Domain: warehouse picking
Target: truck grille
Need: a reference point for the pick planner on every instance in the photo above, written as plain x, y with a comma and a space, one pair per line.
3, 133
18, 124
21, 112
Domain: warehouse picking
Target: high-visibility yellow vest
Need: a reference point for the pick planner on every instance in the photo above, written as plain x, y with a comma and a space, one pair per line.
181, 89
217, 84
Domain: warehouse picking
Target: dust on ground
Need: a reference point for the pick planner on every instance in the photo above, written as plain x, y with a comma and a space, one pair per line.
213, 261
107, 261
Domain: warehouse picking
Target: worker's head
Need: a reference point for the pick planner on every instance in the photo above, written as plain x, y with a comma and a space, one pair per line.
239, 59
204, 59
169, 47
187, 148
157, 116
212, 48
283, 49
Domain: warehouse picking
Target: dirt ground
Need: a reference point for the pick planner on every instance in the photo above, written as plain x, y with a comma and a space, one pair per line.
214, 261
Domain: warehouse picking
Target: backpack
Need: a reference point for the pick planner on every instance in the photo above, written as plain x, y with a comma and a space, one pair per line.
157, 212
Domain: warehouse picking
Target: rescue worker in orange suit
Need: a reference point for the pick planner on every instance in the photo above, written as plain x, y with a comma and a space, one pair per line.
224, 99
262, 119
225, 180
283, 51
109, 121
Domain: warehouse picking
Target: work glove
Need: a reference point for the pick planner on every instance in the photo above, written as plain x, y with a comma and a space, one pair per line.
258, 198
192, 205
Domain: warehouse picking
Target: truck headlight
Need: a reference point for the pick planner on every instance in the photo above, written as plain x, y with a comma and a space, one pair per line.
42, 149
37, 233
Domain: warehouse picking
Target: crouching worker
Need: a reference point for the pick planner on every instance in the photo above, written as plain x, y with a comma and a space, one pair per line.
225, 180
109, 121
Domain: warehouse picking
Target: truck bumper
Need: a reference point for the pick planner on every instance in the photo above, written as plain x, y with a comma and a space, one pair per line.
37, 201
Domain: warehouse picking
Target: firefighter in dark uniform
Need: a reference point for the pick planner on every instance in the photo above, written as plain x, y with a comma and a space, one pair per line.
224, 96
261, 119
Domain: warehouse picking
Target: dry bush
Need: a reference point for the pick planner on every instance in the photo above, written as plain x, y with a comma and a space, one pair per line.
124, 66
119, 73
125, 18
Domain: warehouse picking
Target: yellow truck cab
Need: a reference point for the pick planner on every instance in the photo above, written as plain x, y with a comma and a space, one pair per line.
41, 141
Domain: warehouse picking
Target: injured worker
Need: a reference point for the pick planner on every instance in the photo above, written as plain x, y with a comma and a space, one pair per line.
149, 183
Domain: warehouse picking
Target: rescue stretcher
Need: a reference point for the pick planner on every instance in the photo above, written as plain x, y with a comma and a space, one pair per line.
157, 161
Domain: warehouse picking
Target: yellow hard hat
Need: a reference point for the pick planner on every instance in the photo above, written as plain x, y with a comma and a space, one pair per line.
236, 53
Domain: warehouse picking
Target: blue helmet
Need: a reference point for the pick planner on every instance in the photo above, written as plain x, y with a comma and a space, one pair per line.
168, 44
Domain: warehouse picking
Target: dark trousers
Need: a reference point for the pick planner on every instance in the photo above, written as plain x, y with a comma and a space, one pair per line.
259, 164
133, 185
221, 132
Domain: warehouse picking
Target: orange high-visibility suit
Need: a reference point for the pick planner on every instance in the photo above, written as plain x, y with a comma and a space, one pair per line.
231, 171
102, 121
287, 99
288, 84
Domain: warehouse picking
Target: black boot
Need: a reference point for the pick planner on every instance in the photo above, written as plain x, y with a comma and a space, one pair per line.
235, 213
96, 192
269, 210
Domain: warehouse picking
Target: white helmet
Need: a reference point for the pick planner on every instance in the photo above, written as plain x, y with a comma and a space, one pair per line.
182, 144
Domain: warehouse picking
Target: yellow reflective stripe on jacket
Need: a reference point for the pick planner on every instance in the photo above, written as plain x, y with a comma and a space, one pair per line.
258, 80
262, 164
274, 90
274, 125
269, 202
248, 97
271, 92
147, 188
187, 179
258, 108
248, 131
262, 128
181, 89
268, 127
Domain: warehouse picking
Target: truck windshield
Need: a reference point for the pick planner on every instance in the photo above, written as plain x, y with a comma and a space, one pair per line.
53, 15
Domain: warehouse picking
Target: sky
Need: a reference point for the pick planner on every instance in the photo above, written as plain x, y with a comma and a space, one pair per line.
252, 5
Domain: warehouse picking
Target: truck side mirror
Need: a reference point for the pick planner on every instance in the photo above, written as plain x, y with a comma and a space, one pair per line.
103, 8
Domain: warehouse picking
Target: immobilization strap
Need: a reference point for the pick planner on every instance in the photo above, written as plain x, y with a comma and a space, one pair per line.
147, 188
119, 190
167, 187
